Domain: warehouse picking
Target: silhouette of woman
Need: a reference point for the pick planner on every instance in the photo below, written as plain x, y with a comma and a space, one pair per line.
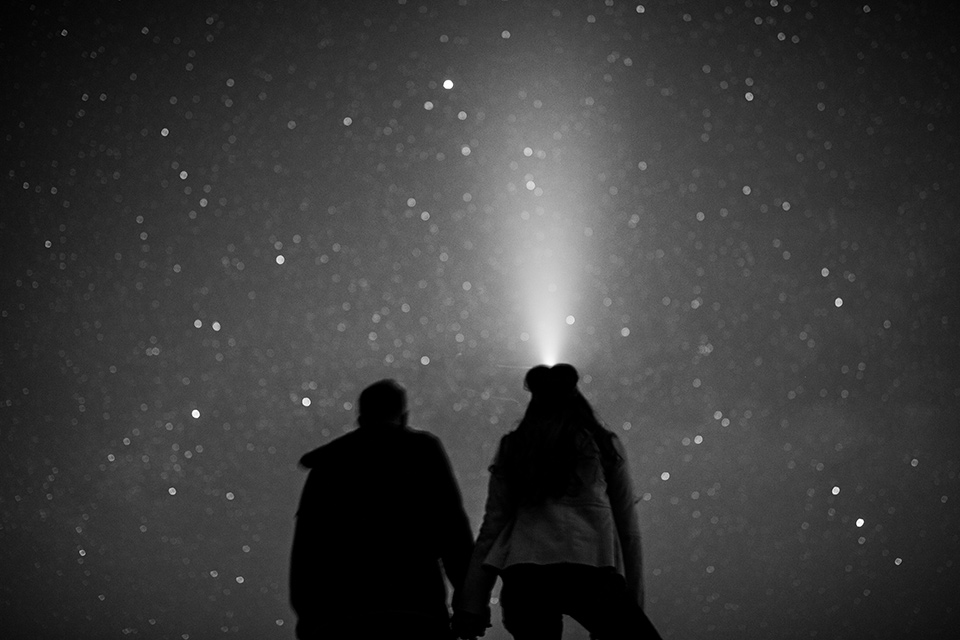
560, 527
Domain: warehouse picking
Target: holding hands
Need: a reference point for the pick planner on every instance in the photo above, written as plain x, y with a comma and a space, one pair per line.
468, 626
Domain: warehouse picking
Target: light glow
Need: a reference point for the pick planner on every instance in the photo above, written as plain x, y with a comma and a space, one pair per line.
544, 234
546, 283
545, 312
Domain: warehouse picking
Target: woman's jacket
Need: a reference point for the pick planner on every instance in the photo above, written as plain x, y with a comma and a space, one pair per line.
596, 526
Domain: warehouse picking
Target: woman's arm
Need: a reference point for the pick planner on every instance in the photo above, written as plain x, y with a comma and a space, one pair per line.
474, 595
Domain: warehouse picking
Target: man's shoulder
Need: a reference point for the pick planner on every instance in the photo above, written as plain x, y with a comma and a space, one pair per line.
510, 439
420, 443
349, 444
332, 449
420, 436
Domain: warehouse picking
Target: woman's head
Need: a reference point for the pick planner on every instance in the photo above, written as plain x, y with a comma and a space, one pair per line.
556, 398
552, 384
557, 430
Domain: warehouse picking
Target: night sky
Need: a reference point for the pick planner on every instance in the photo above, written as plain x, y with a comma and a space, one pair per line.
222, 220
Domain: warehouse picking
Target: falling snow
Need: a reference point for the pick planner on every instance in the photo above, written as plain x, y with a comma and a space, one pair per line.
222, 221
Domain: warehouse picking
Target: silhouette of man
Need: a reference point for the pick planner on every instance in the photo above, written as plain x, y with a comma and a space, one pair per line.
380, 510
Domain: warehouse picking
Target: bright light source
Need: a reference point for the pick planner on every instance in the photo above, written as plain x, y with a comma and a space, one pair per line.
547, 338
548, 258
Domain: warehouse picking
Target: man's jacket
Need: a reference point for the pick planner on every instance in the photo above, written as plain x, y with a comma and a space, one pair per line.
380, 510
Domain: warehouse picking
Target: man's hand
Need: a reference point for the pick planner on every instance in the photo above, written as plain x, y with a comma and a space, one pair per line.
468, 626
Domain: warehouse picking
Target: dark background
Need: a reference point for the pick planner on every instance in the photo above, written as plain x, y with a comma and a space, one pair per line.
761, 195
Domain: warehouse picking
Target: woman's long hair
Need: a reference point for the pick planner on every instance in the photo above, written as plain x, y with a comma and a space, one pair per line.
558, 430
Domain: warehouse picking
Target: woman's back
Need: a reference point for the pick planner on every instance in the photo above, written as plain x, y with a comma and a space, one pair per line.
560, 501
577, 525
558, 440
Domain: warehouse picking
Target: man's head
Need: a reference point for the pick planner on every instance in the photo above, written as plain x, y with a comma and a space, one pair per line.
383, 402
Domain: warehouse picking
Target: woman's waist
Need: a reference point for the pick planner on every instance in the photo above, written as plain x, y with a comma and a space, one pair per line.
582, 502
563, 519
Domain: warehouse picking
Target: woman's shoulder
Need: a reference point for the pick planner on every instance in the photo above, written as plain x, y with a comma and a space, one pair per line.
601, 435
614, 438
602, 430
609, 447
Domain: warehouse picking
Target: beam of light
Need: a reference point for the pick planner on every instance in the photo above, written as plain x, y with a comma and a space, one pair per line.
546, 320
545, 238
546, 283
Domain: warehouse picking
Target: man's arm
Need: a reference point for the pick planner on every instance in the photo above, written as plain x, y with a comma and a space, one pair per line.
306, 543
455, 534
